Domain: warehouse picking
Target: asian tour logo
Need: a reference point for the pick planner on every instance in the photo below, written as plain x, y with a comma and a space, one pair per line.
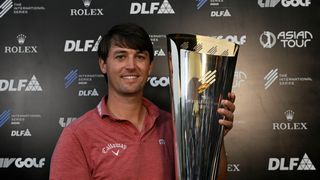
288, 39
21, 48
151, 8
284, 3
87, 11
289, 125
4, 117
291, 164
5, 7
20, 85
239, 78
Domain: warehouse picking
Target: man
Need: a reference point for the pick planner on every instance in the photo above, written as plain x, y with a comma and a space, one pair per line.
125, 136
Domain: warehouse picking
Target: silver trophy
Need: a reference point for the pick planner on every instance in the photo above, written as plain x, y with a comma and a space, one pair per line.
201, 71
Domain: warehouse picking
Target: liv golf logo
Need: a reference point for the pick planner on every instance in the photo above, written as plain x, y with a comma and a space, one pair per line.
284, 3
21, 48
20, 85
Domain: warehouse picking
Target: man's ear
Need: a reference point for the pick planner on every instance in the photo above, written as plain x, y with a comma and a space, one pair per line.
103, 65
150, 69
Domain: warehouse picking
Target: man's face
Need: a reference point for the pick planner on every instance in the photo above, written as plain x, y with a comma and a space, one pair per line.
127, 70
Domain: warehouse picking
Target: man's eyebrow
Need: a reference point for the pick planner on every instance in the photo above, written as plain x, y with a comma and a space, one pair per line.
142, 51
120, 51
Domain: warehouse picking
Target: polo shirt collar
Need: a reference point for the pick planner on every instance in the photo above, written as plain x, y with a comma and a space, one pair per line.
103, 111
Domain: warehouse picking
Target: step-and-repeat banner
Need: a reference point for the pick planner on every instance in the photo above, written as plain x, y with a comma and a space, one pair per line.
49, 76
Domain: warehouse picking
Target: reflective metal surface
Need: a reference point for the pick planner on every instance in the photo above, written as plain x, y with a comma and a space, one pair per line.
201, 75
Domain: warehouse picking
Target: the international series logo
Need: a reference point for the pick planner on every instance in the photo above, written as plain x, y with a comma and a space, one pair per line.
70, 78
4, 117
217, 10
82, 79
5, 7
21, 8
206, 80
284, 79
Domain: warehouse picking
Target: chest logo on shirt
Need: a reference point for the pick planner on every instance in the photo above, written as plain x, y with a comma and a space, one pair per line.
115, 148
162, 141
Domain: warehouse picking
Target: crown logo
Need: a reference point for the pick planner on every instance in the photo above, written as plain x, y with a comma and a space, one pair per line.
86, 3
289, 114
21, 38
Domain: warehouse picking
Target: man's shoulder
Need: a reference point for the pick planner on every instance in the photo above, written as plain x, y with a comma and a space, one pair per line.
85, 120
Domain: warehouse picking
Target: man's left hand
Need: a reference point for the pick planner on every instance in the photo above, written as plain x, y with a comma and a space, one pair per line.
226, 111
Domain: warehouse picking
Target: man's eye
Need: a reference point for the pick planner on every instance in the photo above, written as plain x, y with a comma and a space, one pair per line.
119, 56
141, 57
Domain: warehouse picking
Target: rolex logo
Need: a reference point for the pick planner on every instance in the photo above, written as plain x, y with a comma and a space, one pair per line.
289, 114
86, 3
206, 80
21, 38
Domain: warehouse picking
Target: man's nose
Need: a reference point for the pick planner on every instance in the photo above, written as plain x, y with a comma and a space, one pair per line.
131, 63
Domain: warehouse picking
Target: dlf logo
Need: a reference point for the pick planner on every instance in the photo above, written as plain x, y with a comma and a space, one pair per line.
283, 164
79, 46
154, 7
89, 92
86, 12
21, 85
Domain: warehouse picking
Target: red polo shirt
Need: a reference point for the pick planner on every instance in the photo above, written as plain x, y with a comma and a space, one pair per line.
99, 146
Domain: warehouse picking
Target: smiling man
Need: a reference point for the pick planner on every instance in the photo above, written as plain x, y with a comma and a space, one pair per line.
126, 136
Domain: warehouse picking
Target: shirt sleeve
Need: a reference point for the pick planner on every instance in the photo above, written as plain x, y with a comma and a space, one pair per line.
68, 160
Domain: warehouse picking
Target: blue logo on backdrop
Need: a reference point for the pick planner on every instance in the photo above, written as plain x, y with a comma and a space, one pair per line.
70, 78
200, 3
4, 117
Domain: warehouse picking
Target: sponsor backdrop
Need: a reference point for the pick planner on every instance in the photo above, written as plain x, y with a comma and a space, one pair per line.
49, 76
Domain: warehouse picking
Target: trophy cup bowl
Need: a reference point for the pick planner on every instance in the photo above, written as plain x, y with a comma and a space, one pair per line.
201, 71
